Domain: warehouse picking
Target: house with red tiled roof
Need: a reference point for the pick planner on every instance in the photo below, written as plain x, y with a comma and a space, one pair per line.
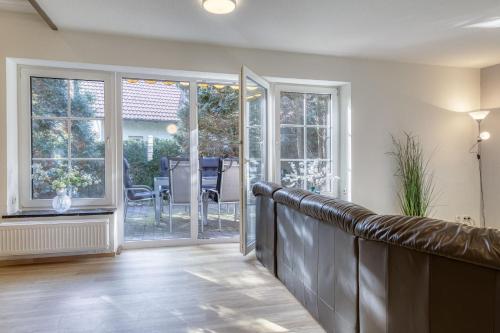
148, 106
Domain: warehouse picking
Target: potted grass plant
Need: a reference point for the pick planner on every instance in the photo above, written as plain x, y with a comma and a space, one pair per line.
416, 194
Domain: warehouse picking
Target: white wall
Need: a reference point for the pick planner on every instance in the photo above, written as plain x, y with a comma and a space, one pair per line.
157, 129
386, 98
490, 100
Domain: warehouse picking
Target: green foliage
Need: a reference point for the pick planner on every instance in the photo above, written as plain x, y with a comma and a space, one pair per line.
51, 139
417, 184
59, 177
136, 154
141, 170
182, 135
49, 97
218, 116
84, 142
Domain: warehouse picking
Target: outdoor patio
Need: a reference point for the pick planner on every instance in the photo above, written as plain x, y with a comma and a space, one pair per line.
140, 224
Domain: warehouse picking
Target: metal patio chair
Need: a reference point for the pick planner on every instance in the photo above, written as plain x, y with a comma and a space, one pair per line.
228, 187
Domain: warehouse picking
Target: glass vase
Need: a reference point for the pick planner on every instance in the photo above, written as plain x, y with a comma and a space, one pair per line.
62, 201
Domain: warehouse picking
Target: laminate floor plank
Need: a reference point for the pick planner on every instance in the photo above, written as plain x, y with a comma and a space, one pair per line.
198, 289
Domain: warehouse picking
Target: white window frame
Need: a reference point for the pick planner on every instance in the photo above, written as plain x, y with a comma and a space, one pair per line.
335, 129
24, 139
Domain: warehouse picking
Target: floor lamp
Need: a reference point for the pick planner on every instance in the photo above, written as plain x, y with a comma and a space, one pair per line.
479, 116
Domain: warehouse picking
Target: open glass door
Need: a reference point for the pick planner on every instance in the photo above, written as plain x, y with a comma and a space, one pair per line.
253, 155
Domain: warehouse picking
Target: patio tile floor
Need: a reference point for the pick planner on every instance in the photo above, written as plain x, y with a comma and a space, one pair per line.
140, 224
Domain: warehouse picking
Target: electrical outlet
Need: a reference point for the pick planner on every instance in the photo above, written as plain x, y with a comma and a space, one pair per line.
465, 219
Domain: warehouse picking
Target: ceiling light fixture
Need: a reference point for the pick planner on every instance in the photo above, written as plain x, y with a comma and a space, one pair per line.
219, 6
493, 23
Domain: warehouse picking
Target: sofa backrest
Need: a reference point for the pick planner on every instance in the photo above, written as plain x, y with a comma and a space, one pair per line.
316, 255
265, 233
356, 271
427, 276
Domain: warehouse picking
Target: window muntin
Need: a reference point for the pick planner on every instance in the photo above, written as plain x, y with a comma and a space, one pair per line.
67, 134
306, 134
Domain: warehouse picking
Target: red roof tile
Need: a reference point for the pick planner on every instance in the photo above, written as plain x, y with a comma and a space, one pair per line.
141, 100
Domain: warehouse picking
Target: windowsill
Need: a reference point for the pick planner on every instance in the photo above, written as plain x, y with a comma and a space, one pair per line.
53, 213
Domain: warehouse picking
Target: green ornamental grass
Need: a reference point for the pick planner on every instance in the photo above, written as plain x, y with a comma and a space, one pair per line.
416, 193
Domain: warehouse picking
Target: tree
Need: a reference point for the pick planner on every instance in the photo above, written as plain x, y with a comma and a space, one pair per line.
218, 114
51, 137
141, 170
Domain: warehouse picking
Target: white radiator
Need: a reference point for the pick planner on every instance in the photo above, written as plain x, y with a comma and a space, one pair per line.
25, 238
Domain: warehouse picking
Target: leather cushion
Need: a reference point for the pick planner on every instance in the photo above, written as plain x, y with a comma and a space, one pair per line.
478, 246
290, 197
265, 188
343, 214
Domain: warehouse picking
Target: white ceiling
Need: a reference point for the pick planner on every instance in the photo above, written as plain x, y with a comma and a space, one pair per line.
424, 31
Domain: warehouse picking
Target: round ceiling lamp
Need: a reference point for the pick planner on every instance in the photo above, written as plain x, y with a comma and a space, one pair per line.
219, 6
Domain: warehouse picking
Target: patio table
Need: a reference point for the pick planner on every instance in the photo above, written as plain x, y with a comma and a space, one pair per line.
159, 182
206, 184
162, 182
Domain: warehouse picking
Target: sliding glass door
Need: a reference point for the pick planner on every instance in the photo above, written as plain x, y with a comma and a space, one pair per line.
156, 159
181, 166
192, 150
219, 164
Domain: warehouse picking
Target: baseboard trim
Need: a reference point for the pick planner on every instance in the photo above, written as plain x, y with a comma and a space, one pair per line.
54, 259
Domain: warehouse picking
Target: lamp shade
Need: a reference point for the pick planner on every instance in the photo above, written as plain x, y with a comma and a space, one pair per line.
479, 115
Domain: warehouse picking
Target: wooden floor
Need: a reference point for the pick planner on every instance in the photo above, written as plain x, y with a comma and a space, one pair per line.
201, 289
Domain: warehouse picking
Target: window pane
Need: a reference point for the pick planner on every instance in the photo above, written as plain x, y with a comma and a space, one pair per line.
255, 144
318, 143
218, 116
292, 108
43, 175
317, 107
292, 142
87, 138
49, 97
256, 96
90, 175
87, 98
319, 175
292, 174
49, 138
255, 171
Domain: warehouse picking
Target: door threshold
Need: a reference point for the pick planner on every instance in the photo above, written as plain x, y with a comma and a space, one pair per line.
177, 242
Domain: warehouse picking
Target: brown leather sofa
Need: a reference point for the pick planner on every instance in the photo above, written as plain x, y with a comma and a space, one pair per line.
356, 271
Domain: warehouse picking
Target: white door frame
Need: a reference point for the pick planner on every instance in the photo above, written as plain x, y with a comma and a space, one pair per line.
194, 164
247, 73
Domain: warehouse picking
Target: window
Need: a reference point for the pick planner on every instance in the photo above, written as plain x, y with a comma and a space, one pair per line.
136, 138
64, 134
307, 138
